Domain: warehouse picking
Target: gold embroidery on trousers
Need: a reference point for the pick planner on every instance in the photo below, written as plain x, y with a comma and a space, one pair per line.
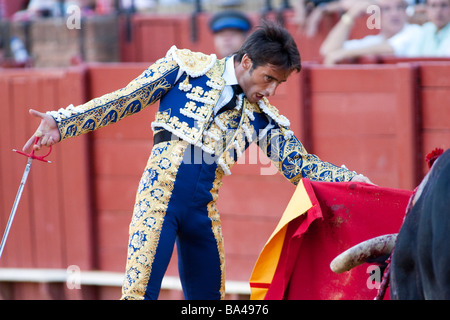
152, 199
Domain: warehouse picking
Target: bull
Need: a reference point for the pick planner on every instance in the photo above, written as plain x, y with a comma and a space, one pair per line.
418, 257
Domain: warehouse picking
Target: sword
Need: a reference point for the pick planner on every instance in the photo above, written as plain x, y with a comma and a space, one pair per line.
31, 156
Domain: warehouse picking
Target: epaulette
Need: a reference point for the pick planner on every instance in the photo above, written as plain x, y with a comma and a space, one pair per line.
273, 113
195, 64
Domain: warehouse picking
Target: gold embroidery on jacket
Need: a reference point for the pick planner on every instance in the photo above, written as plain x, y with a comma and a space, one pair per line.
112, 107
199, 107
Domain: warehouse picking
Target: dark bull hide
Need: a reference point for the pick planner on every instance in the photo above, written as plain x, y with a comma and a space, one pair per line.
420, 267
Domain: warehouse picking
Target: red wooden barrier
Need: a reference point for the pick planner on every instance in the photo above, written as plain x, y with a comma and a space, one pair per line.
364, 117
152, 36
435, 106
52, 228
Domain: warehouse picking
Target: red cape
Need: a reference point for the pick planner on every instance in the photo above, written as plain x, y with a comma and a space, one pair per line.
322, 220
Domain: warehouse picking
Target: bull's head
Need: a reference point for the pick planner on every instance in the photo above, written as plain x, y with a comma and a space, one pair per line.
382, 245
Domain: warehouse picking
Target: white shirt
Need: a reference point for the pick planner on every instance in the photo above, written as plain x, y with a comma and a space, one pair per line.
229, 76
42, 4
401, 42
431, 43
367, 41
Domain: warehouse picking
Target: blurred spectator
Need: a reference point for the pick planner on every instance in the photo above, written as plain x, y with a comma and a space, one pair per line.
434, 37
417, 12
44, 8
85, 5
2, 48
15, 55
52, 8
139, 5
8, 7
395, 36
230, 3
230, 29
309, 13
20, 53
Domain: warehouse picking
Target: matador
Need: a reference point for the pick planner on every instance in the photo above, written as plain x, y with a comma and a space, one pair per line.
198, 136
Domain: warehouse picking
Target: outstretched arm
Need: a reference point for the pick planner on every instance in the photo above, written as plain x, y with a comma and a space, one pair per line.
294, 162
341, 31
141, 92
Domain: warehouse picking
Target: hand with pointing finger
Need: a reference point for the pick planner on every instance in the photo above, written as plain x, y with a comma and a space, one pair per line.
47, 131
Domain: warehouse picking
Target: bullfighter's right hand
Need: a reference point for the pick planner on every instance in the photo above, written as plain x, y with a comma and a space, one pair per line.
47, 131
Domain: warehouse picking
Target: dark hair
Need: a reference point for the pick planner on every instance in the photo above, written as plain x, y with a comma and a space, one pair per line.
271, 44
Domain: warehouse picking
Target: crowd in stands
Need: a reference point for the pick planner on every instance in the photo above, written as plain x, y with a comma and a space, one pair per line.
406, 28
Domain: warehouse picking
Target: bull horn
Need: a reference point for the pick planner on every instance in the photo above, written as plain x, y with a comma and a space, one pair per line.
358, 254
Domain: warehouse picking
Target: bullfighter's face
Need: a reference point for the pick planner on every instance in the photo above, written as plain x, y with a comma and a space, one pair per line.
261, 81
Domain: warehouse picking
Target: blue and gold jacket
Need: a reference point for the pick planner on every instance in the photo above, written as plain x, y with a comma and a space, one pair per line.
186, 109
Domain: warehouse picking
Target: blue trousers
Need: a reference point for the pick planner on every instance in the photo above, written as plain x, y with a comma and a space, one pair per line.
176, 202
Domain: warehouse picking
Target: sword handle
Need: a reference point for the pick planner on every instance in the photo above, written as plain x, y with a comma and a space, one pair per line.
33, 156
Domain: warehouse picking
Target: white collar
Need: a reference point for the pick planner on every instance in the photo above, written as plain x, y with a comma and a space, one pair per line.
229, 74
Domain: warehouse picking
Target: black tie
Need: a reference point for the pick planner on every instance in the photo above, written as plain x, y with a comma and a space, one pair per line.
232, 103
